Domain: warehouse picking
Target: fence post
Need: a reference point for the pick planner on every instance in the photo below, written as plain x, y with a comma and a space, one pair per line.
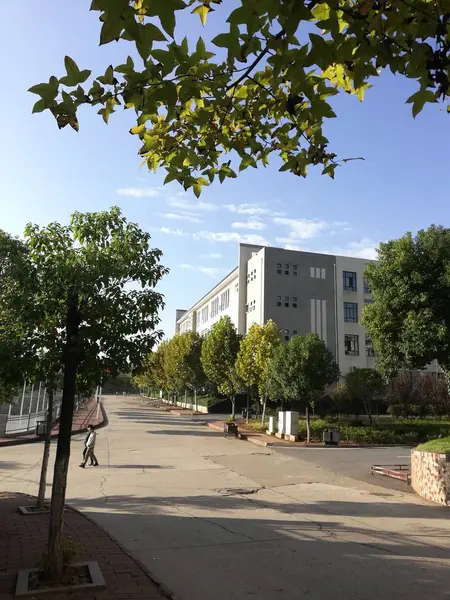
23, 397
39, 396
30, 407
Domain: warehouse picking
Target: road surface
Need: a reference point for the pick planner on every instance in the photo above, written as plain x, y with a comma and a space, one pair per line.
222, 519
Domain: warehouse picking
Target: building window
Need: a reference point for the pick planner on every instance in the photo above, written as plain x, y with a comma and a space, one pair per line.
278, 300
323, 273
349, 281
246, 308
312, 272
294, 273
214, 307
236, 287
294, 332
370, 350
350, 312
351, 344
286, 301
294, 302
286, 335
294, 267
366, 286
279, 271
278, 265
248, 278
205, 314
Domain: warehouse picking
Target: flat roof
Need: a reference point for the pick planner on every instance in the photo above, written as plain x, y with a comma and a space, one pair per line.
207, 293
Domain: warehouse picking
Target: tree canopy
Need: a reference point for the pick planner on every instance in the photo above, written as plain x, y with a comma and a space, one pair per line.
409, 320
182, 362
262, 86
365, 385
302, 369
68, 292
219, 352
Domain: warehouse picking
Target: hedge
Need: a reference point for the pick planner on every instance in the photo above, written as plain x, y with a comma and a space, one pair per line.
396, 431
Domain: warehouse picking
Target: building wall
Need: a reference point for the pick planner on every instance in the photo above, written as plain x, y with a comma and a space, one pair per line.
310, 299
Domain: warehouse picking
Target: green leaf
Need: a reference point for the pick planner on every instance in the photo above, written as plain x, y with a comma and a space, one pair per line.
247, 161
111, 30
202, 11
39, 106
419, 99
47, 91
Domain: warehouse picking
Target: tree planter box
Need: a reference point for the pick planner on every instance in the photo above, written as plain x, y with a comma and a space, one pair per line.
33, 510
23, 582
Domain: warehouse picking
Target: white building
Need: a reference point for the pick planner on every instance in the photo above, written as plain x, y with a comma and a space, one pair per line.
301, 292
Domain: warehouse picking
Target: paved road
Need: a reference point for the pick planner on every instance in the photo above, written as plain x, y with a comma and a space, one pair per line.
356, 462
216, 518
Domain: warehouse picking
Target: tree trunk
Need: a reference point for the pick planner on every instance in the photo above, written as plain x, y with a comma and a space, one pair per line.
263, 416
308, 430
46, 455
55, 562
248, 406
233, 407
368, 407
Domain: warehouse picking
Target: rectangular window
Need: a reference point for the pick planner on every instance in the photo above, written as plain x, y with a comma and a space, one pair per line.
294, 332
294, 302
278, 265
312, 272
236, 287
246, 308
294, 273
323, 273
286, 301
366, 286
279, 271
349, 281
248, 278
286, 266
350, 312
370, 350
278, 300
317, 273
286, 335
294, 267
351, 344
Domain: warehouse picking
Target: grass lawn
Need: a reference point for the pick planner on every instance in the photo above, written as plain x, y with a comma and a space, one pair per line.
441, 445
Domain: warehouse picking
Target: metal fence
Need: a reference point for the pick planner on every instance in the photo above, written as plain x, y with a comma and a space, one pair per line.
30, 406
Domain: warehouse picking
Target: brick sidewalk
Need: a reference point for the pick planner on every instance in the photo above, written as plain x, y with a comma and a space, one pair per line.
23, 541
81, 419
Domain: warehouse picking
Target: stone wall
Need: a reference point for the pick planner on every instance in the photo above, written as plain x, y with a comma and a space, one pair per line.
430, 476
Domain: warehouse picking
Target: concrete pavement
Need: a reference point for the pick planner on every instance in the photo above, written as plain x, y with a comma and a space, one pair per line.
223, 518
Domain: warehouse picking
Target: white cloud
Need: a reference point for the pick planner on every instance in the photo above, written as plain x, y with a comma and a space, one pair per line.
293, 247
184, 204
248, 209
254, 224
231, 236
181, 217
211, 255
139, 192
211, 271
301, 229
177, 232
365, 248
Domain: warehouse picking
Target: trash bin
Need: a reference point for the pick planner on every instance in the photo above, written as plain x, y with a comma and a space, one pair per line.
230, 429
335, 437
326, 436
41, 428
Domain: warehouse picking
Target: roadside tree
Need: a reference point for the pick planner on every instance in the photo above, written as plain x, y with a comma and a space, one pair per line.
409, 320
218, 357
255, 353
365, 386
78, 281
302, 369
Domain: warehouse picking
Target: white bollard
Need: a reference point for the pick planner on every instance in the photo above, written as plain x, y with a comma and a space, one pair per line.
271, 429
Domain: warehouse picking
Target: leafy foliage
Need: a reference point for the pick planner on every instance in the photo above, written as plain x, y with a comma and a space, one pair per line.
409, 321
219, 352
255, 353
182, 362
365, 385
259, 87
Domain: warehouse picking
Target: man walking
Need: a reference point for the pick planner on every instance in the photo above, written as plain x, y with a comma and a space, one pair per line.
89, 448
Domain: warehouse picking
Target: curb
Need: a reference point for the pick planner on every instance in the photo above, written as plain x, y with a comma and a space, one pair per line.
54, 436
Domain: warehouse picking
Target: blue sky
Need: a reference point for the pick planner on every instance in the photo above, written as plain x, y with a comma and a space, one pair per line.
47, 174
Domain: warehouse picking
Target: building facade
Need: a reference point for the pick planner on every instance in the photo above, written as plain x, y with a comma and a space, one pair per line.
302, 292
